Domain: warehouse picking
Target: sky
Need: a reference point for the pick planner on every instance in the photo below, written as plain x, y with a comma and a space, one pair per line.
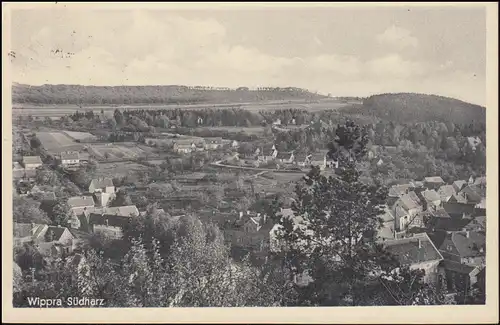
356, 51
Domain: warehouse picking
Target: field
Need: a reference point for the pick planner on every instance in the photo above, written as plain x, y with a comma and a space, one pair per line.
258, 130
80, 135
118, 169
62, 110
122, 151
57, 142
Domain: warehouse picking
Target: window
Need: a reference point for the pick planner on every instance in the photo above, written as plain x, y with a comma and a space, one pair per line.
449, 248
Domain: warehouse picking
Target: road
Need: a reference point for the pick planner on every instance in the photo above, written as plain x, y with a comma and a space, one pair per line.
262, 170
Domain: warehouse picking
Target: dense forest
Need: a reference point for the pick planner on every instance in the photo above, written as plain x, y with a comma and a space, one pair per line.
410, 108
126, 95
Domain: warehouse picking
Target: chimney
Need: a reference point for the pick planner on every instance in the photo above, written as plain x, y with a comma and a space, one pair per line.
241, 214
265, 218
248, 211
106, 222
467, 234
419, 243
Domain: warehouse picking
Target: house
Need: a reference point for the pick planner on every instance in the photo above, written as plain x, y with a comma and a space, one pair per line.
417, 252
285, 157
79, 203
431, 199
213, 143
235, 144
473, 142
477, 224
49, 240
70, 159
459, 277
458, 210
446, 192
396, 191
17, 170
277, 122
473, 193
459, 185
410, 202
110, 220
102, 199
480, 181
103, 184
440, 219
433, 182
480, 208
380, 162
464, 247
275, 243
268, 153
32, 162
387, 229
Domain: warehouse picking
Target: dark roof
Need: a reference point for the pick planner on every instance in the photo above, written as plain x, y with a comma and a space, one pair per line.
440, 213
468, 247
457, 267
112, 220
408, 252
57, 232
101, 182
459, 184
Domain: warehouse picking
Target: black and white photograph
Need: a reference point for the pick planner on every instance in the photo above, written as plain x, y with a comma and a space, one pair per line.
284, 156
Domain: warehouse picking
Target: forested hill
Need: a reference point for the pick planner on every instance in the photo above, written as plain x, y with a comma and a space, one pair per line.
411, 107
119, 95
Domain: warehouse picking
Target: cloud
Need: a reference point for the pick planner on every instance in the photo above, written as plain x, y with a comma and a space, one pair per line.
140, 48
397, 37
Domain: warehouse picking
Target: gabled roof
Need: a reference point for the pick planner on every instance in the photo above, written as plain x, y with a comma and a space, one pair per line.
398, 190
440, 213
410, 201
459, 184
80, 201
446, 192
108, 220
73, 155
468, 247
480, 180
387, 216
473, 141
473, 193
457, 267
431, 196
124, 211
101, 182
433, 179
407, 250
32, 160
57, 232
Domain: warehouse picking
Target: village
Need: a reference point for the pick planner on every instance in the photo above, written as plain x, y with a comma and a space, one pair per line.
429, 224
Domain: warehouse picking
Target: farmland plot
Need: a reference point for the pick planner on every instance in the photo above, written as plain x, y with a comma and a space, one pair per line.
80, 135
113, 151
57, 142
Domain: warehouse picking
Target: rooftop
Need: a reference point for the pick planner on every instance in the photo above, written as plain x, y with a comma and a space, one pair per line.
398, 190
431, 195
469, 246
80, 201
433, 179
101, 182
73, 155
413, 250
32, 160
446, 192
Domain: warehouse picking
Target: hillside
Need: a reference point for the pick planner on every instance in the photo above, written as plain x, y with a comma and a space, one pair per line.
99, 95
411, 107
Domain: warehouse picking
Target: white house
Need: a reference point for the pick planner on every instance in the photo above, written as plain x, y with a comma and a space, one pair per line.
32, 162
71, 158
101, 185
